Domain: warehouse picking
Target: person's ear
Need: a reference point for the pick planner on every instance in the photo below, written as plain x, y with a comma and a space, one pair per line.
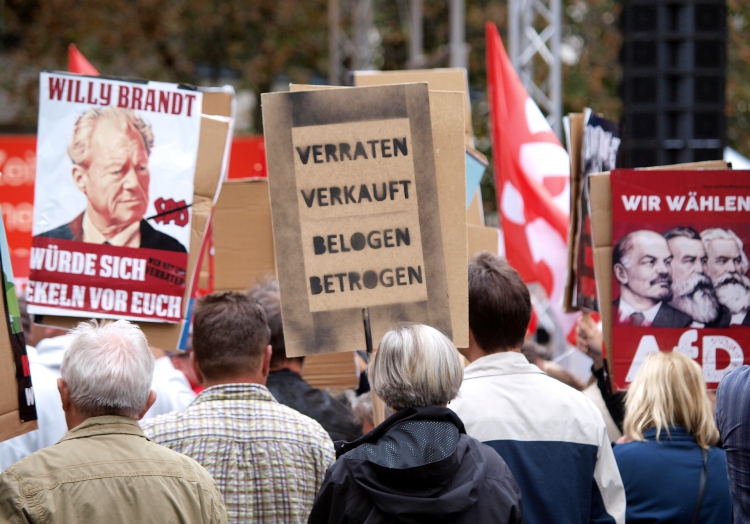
621, 274
149, 403
196, 368
79, 176
265, 367
62, 387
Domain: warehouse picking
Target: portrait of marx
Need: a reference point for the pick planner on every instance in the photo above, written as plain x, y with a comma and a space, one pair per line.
110, 150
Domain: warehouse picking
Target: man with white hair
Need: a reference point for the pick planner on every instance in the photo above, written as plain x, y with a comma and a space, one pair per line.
692, 291
105, 469
727, 268
110, 149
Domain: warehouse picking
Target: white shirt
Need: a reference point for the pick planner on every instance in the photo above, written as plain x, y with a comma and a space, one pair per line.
173, 392
44, 363
128, 237
625, 310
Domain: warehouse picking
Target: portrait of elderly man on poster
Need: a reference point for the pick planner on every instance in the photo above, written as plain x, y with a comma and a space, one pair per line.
110, 149
641, 263
727, 266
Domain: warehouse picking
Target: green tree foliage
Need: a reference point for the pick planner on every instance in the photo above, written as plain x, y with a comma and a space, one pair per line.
738, 77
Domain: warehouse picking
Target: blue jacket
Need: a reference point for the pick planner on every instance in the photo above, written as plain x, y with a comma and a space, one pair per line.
661, 479
552, 437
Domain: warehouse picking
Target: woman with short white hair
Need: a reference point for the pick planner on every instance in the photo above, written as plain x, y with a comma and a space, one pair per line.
671, 468
419, 464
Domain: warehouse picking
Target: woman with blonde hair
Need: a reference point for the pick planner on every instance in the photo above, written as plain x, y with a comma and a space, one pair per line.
419, 465
671, 468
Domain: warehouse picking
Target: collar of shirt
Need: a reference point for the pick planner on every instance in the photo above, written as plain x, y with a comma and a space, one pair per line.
106, 425
502, 363
625, 310
244, 391
738, 318
128, 237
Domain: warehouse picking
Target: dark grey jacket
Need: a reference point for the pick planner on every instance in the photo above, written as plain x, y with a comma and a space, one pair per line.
418, 466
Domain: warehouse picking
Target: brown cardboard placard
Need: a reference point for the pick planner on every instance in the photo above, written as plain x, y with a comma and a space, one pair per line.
575, 151
326, 294
331, 370
475, 213
243, 237
208, 171
601, 225
447, 122
483, 238
447, 79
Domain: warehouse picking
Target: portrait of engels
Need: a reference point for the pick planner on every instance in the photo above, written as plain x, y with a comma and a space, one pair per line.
682, 278
110, 151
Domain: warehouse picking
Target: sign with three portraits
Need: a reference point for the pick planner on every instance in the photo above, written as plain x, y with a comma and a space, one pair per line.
680, 269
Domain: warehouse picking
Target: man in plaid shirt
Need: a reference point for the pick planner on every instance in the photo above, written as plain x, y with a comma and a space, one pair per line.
268, 460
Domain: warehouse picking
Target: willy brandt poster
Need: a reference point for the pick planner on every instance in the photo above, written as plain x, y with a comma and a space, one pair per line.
355, 213
680, 269
115, 168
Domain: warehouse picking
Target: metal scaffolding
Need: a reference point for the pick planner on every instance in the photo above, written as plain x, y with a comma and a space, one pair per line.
534, 31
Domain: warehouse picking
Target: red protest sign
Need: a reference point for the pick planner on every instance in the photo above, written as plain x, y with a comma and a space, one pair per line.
680, 269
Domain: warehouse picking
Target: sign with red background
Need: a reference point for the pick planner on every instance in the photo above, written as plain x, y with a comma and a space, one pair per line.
658, 201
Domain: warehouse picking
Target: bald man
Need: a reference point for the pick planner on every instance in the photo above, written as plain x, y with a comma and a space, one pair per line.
641, 262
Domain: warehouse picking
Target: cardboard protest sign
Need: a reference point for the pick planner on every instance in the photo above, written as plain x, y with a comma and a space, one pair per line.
356, 213
573, 127
598, 141
17, 411
116, 163
601, 223
439, 79
214, 134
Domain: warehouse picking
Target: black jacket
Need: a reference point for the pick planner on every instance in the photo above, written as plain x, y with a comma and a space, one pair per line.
418, 466
290, 389
666, 317
150, 237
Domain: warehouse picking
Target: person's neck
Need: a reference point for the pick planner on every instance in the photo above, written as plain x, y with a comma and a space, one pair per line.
101, 224
474, 352
638, 302
292, 365
250, 378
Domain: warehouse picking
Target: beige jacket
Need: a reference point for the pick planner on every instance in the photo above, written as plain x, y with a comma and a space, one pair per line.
106, 471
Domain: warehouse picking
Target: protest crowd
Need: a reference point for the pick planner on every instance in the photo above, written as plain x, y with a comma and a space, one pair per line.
496, 441
578, 360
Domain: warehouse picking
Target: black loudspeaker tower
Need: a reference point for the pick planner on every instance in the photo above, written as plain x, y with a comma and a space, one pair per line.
674, 73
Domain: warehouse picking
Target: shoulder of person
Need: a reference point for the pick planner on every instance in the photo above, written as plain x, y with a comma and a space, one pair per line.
308, 427
163, 426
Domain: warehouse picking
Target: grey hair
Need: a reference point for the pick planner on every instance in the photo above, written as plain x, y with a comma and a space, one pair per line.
108, 369
621, 252
717, 233
78, 150
416, 365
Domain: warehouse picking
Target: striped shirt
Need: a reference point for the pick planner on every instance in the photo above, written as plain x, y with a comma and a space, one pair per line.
268, 460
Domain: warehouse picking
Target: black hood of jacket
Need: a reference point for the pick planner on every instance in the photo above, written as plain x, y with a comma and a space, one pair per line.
418, 465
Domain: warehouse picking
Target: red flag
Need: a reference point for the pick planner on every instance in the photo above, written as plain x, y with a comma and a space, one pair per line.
77, 63
532, 176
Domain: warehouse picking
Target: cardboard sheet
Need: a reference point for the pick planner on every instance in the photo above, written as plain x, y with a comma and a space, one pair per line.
243, 236
574, 132
601, 225
448, 79
447, 121
483, 238
331, 371
328, 243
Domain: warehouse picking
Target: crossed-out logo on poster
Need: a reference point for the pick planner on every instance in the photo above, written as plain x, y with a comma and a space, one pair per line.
115, 168
680, 269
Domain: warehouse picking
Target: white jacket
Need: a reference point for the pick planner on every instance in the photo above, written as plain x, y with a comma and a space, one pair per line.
552, 437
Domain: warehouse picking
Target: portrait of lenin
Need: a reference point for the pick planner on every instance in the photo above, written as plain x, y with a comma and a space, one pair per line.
110, 150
